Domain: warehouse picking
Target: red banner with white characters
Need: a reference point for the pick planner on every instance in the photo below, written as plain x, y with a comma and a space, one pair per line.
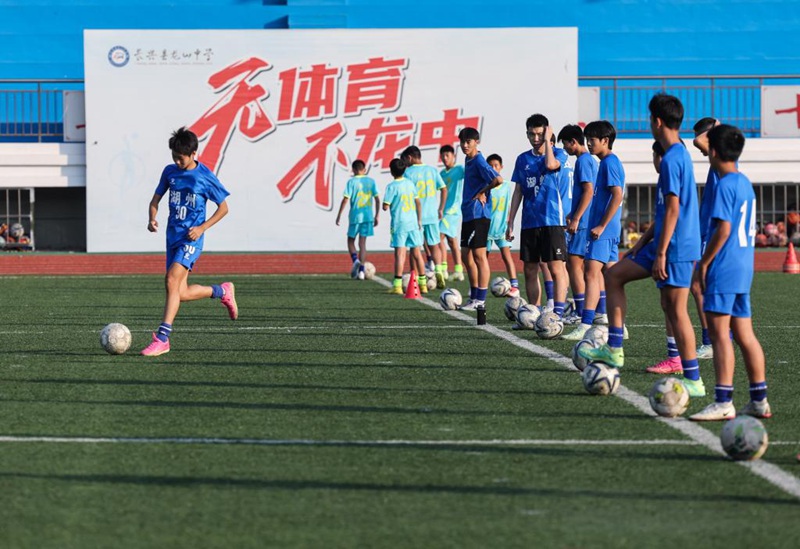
281, 115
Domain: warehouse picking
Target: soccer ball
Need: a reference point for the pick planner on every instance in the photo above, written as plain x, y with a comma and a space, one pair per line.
744, 438
669, 397
430, 276
500, 287
527, 315
16, 230
577, 359
115, 338
450, 299
512, 304
597, 333
369, 270
600, 378
549, 325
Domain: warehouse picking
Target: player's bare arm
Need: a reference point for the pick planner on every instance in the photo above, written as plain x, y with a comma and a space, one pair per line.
197, 232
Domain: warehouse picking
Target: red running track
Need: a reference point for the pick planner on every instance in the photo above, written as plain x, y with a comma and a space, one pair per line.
32, 263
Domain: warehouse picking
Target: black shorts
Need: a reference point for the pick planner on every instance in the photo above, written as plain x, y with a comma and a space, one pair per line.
543, 244
475, 233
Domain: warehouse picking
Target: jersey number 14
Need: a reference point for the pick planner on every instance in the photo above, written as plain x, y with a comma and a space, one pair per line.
747, 237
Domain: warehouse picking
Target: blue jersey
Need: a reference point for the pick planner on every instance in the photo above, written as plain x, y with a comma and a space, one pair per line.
707, 203
361, 191
734, 201
565, 178
610, 174
189, 190
585, 172
429, 183
454, 179
677, 178
401, 197
542, 203
501, 198
477, 175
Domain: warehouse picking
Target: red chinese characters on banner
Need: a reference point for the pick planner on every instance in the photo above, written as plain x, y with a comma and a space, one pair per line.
319, 161
242, 100
308, 95
382, 140
796, 109
378, 83
445, 131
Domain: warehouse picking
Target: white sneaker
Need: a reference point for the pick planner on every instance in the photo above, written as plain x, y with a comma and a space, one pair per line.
757, 408
472, 305
355, 268
601, 318
577, 334
705, 351
458, 277
572, 320
430, 266
716, 411
625, 332
361, 275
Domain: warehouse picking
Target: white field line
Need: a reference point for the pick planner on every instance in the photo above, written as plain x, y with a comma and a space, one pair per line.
772, 473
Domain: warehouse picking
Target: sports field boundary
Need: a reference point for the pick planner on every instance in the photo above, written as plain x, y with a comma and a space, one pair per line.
703, 437
215, 263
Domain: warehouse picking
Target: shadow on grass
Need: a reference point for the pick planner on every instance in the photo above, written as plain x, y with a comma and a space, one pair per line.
466, 490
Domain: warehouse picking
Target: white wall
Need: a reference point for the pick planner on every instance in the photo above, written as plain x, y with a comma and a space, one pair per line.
42, 165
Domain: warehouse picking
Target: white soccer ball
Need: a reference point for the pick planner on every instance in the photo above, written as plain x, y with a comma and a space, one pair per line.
500, 287
669, 397
527, 315
115, 338
450, 299
577, 359
430, 276
600, 379
597, 333
369, 270
406, 279
512, 304
744, 438
549, 325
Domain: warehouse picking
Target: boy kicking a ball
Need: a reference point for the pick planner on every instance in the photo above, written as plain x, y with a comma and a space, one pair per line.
725, 274
190, 185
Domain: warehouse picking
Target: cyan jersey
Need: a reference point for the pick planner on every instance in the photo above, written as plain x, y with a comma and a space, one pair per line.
189, 190
542, 203
734, 201
361, 191
585, 172
454, 179
429, 183
477, 175
610, 174
565, 182
501, 198
707, 203
677, 178
401, 195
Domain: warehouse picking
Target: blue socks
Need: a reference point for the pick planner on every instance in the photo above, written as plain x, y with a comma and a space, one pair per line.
672, 348
514, 283
587, 317
164, 332
723, 393
216, 291
558, 308
354, 257
615, 334
758, 391
601, 304
480, 293
548, 289
580, 300
691, 369
706, 338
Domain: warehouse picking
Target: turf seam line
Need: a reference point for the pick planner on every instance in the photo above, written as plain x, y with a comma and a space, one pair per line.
772, 473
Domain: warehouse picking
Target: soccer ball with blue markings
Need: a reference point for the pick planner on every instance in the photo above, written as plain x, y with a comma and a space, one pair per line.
115, 338
512, 305
527, 315
549, 325
669, 397
744, 438
600, 379
577, 360
450, 299
500, 286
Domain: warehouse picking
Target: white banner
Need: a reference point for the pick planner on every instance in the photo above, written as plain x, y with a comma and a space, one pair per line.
74, 116
780, 111
282, 113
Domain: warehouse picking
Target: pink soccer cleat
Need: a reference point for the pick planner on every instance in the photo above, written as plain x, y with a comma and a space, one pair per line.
670, 365
229, 300
156, 347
